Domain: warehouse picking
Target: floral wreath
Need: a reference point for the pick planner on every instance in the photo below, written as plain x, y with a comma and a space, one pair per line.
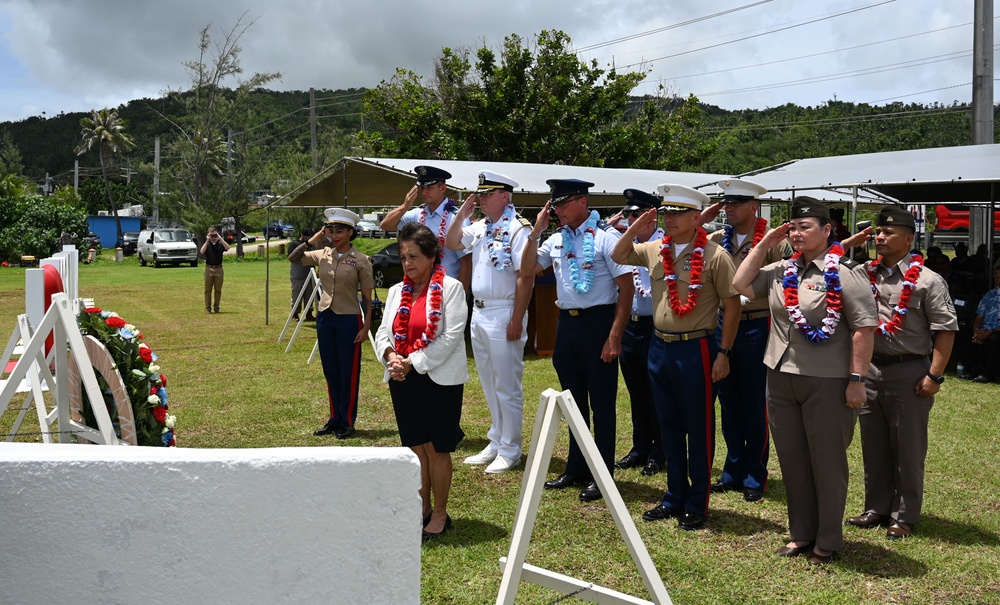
640, 290
501, 259
582, 285
134, 360
401, 324
903, 306
697, 266
759, 230
831, 273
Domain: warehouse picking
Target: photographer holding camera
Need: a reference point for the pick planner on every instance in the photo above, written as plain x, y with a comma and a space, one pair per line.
212, 250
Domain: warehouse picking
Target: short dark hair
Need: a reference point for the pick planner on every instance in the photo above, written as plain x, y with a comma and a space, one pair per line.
425, 240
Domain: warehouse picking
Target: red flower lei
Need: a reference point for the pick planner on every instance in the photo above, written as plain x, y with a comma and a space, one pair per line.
401, 324
697, 266
909, 284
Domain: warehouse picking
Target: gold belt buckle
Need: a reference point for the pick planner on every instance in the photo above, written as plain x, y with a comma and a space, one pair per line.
574, 312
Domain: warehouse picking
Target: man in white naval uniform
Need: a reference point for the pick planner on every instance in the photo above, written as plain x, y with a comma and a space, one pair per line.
501, 291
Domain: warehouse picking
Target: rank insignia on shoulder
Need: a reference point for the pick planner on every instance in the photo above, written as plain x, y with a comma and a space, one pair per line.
848, 262
524, 222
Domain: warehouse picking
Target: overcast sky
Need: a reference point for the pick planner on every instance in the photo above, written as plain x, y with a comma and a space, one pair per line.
77, 55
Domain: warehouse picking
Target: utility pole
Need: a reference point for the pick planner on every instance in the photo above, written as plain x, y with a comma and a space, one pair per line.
312, 129
156, 179
76, 176
981, 217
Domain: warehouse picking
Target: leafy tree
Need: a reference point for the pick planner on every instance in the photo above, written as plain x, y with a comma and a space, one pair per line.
540, 104
105, 130
207, 189
10, 155
32, 223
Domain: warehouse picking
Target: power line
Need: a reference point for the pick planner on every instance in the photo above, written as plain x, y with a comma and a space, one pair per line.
666, 28
772, 31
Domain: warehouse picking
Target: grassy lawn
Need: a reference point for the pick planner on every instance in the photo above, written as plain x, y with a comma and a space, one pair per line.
232, 385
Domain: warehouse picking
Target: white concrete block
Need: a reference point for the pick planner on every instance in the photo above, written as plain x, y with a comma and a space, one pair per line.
91, 524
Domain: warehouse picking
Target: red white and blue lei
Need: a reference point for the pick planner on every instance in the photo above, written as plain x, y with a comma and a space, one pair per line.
640, 290
834, 303
501, 258
581, 273
903, 306
449, 207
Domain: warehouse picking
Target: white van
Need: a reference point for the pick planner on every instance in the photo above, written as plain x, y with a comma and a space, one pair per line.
160, 246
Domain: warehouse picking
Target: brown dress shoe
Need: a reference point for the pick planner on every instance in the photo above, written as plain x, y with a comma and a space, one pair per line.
869, 520
815, 559
898, 530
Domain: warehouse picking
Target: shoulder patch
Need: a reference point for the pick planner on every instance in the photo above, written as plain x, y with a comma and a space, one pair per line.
850, 263
524, 222
606, 227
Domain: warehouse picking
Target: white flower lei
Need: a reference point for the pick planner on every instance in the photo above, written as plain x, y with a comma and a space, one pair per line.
501, 260
640, 291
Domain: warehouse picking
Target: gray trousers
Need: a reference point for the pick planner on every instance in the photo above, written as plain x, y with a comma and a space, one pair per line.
812, 427
894, 440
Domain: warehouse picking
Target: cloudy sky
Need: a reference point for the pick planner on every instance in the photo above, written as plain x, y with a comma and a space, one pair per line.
76, 55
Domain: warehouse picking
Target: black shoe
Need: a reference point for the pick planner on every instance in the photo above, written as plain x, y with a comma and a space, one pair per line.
652, 467
982, 378
310, 317
563, 481
660, 513
629, 461
344, 433
690, 521
752, 495
326, 430
590, 493
426, 536
720, 488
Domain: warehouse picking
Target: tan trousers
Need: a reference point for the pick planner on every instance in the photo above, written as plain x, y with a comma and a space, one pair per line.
213, 283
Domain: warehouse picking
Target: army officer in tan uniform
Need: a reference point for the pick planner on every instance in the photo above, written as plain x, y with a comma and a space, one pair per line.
822, 323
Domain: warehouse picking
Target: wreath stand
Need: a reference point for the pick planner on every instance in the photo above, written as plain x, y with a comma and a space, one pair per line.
553, 407
33, 367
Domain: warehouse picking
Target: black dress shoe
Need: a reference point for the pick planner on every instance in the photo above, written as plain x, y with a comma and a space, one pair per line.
794, 551
720, 488
869, 520
815, 559
661, 513
983, 378
344, 433
426, 536
590, 493
563, 481
690, 521
629, 461
752, 495
326, 430
652, 467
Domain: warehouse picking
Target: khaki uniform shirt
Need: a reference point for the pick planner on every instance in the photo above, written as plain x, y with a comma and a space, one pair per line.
788, 350
716, 284
781, 251
339, 277
930, 310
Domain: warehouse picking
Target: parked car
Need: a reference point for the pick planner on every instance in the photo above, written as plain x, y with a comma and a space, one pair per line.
276, 229
91, 240
130, 242
159, 246
230, 238
386, 266
367, 228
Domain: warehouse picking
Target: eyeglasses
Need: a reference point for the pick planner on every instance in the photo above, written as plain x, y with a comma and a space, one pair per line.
635, 213
571, 198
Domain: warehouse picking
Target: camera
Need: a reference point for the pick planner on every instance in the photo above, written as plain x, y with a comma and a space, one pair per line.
862, 225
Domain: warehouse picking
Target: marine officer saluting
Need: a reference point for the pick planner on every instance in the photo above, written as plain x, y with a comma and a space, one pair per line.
691, 277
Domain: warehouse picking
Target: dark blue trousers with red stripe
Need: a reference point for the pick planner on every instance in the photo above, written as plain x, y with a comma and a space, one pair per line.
742, 397
684, 395
341, 358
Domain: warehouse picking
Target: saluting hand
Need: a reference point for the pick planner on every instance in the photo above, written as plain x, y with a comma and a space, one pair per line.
465, 211
614, 219
858, 239
645, 219
711, 213
775, 236
542, 220
411, 196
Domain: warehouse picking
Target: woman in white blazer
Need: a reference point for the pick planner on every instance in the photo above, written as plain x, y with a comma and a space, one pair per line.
422, 343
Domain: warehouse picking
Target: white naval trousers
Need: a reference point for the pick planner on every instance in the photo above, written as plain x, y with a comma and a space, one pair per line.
500, 364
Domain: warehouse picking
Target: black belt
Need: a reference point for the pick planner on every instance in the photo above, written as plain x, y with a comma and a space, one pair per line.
579, 312
208, 265
885, 360
679, 336
642, 318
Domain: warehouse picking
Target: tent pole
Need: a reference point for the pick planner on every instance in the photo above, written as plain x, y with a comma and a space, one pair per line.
267, 268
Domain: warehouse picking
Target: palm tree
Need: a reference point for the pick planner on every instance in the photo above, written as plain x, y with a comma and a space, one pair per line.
106, 130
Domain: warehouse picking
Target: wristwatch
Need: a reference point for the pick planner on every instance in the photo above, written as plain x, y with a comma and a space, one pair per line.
726, 352
856, 378
937, 379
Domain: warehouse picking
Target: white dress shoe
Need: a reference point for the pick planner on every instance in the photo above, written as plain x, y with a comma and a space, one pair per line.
484, 457
503, 464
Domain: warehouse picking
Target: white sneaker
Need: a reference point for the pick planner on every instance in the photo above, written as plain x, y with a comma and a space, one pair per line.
484, 457
503, 464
